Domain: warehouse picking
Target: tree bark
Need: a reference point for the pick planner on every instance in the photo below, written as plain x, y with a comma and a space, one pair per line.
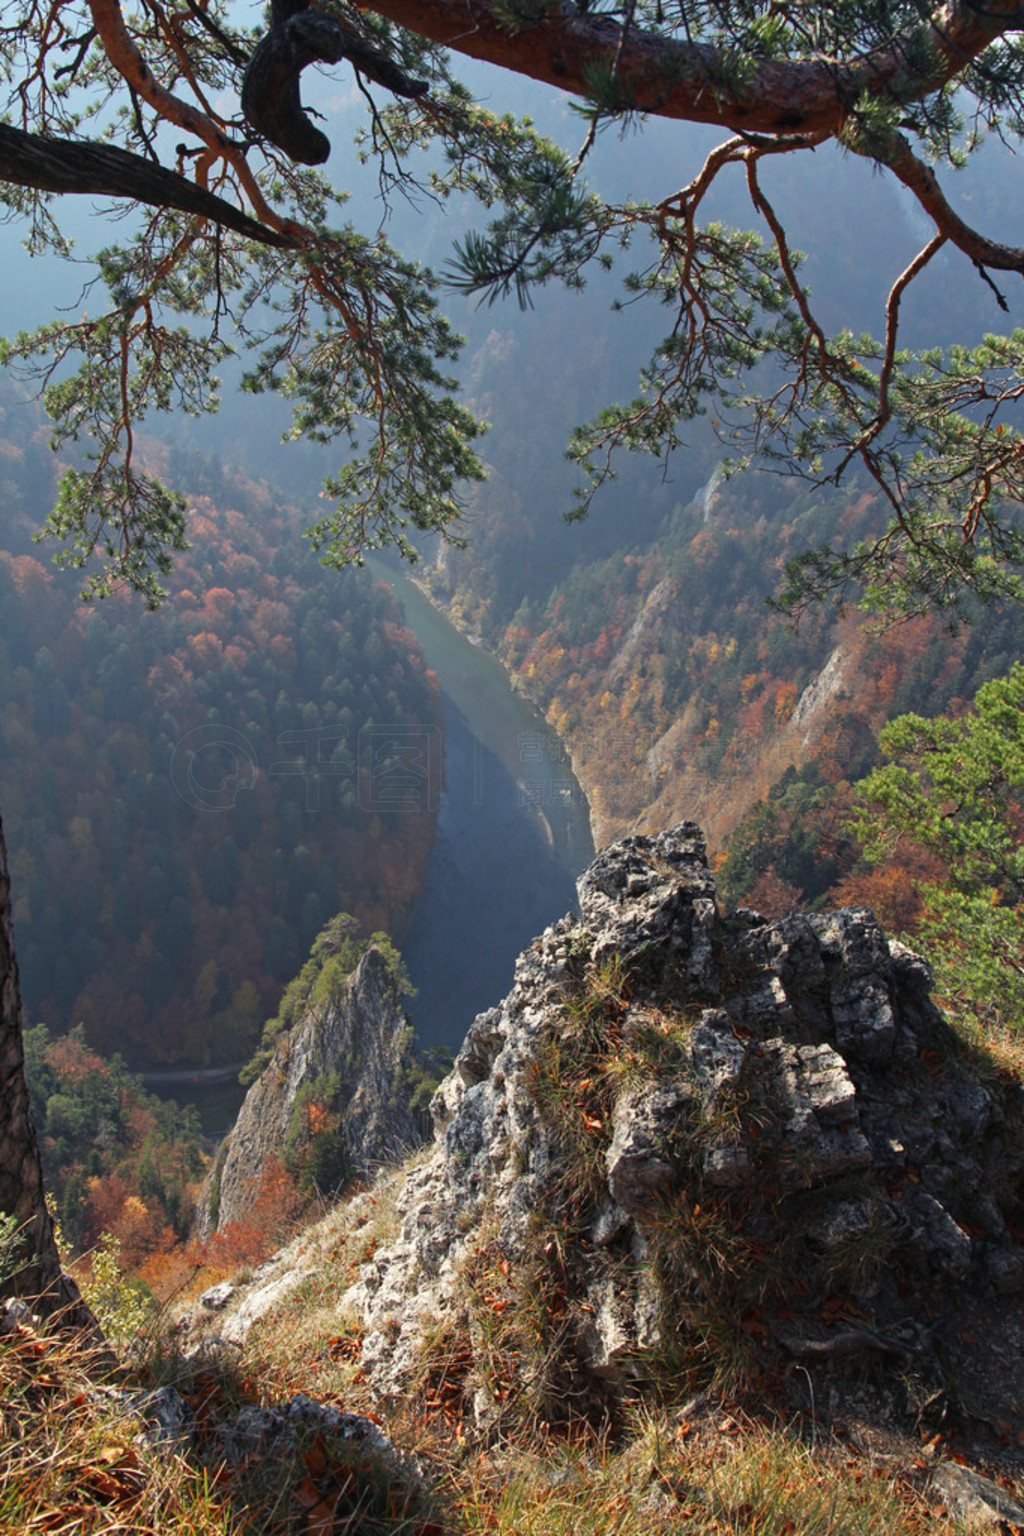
694, 81
39, 1280
105, 170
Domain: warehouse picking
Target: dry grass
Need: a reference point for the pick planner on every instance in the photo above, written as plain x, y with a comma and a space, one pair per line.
657, 1474
993, 1049
671, 1477
308, 1342
75, 1458
80, 1456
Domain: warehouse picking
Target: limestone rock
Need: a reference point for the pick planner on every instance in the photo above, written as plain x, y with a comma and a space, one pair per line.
657, 1064
717, 1055
678, 1116
273, 1432
640, 1162
975, 1498
363, 1039
216, 1298
820, 1136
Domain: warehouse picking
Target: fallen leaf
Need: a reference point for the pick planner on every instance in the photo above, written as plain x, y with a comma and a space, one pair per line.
104, 1486
307, 1493
320, 1520
315, 1459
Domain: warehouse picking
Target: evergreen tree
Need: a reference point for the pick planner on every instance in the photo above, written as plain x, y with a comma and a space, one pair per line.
247, 249
956, 789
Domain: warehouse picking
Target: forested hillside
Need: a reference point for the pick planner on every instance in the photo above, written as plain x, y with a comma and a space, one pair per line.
186, 793
644, 632
679, 691
118, 1160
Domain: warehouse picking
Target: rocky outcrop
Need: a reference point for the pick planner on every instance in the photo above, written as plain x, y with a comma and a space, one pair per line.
685, 1135
810, 716
648, 625
353, 1055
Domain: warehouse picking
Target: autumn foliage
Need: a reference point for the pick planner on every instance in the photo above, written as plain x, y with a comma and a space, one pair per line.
187, 794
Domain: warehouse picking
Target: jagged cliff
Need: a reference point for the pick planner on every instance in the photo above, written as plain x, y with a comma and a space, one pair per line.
351, 1055
690, 1143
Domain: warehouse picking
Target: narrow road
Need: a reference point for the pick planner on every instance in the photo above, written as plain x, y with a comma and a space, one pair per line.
191, 1075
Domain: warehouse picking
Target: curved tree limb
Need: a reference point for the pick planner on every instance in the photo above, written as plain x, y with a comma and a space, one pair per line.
922, 181
124, 55
270, 91
862, 446
853, 1342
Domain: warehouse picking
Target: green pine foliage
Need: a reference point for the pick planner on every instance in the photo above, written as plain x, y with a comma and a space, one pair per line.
955, 787
335, 319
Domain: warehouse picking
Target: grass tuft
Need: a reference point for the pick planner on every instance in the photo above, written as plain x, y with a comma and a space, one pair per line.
75, 1457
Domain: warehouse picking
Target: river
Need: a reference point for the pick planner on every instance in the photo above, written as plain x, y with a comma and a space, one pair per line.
513, 832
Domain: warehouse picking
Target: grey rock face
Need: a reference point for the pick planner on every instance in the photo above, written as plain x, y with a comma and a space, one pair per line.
717, 1055
657, 1064
640, 1162
273, 1432
217, 1297
819, 1132
976, 1499
364, 1039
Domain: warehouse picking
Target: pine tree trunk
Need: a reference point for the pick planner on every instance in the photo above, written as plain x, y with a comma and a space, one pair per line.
39, 1280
